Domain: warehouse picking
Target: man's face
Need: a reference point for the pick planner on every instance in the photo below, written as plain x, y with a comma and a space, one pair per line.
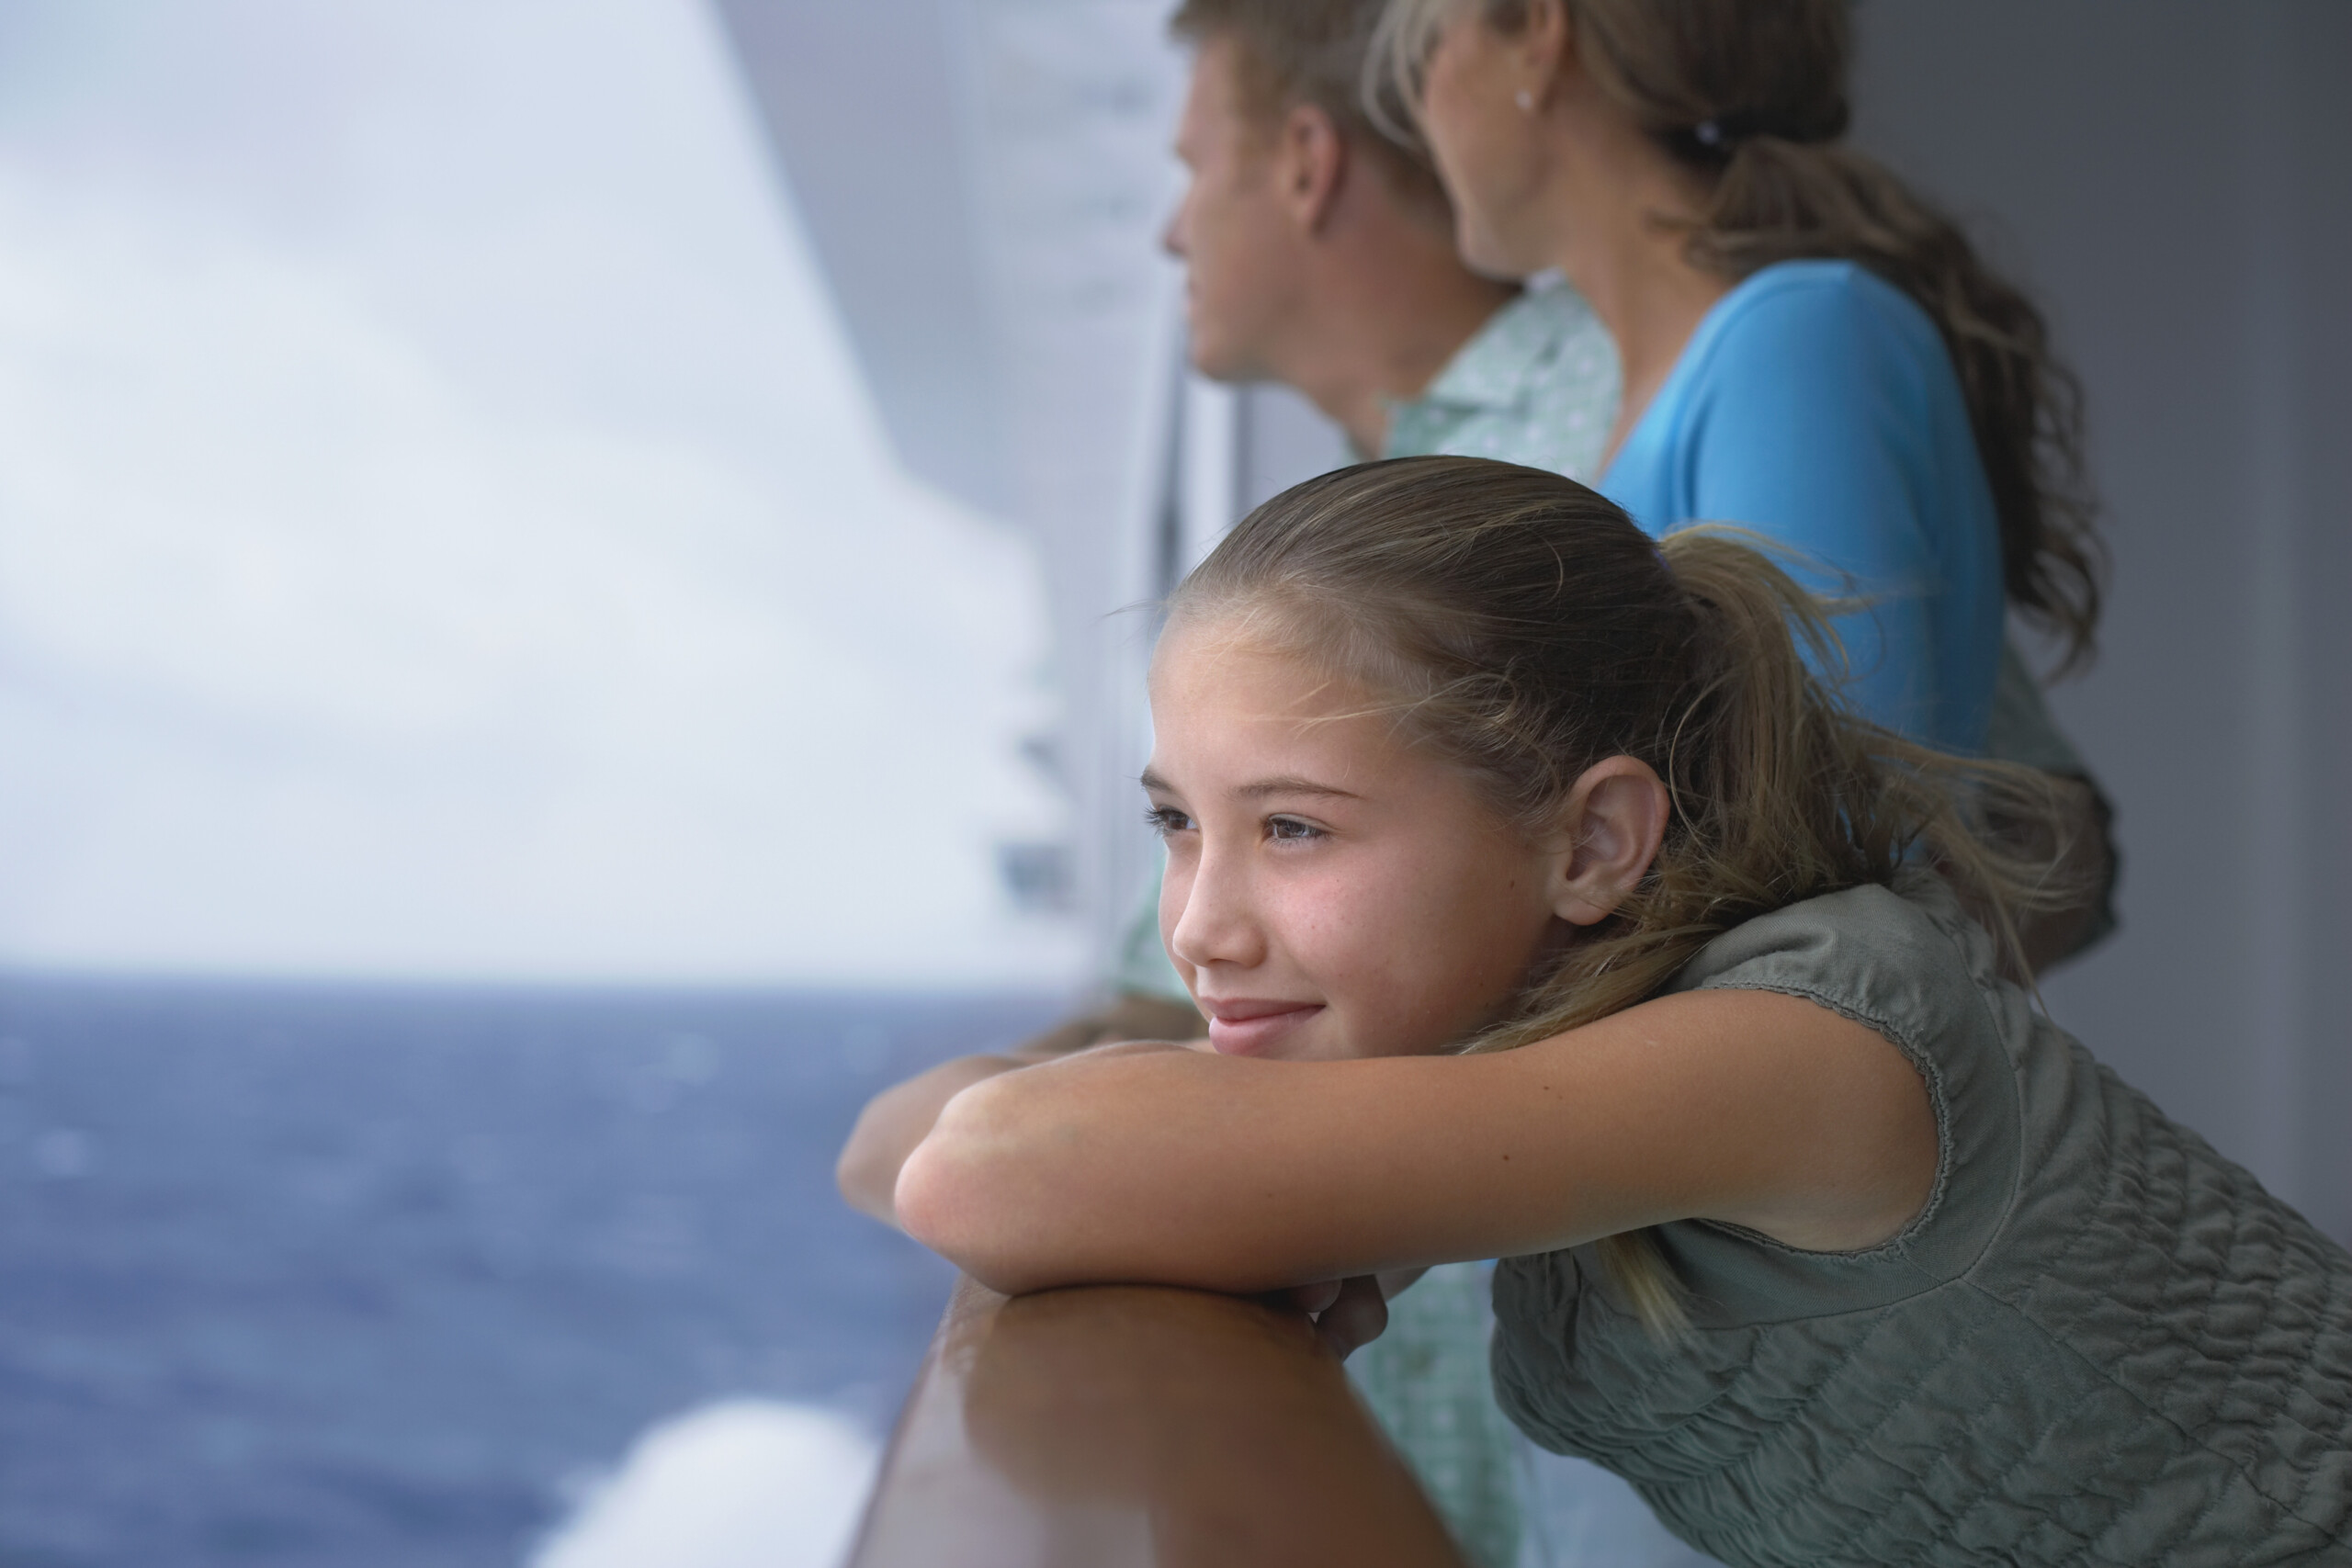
1238, 240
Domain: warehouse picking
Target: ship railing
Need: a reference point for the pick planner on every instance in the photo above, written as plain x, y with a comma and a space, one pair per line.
1129, 1427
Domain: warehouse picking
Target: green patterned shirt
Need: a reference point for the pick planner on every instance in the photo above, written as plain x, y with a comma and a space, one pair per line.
1536, 385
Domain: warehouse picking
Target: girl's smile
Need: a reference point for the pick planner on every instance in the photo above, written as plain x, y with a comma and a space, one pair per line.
1242, 1026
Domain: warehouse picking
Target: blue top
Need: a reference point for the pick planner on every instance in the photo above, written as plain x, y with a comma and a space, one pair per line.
1817, 404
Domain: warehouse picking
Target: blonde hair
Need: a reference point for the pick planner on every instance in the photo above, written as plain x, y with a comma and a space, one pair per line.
1521, 627
1752, 96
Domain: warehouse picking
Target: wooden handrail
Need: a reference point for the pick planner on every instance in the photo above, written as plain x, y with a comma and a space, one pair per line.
1129, 1427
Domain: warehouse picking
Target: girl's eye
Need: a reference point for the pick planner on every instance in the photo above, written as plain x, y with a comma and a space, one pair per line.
1290, 830
1167, 820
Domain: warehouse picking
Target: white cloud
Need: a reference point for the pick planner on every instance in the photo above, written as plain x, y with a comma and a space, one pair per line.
442, 531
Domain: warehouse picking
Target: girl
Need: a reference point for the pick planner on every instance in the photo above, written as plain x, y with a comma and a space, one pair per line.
1546, 908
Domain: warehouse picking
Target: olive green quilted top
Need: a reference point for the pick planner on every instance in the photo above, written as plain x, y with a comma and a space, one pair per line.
2102, 1343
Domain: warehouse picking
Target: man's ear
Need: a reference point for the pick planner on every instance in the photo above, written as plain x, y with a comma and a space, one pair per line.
1314, 164
1611, 825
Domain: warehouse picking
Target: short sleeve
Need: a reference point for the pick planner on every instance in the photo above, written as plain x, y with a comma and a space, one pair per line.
1917, 971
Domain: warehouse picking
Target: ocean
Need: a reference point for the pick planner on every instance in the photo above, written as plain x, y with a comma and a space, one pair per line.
387, 1275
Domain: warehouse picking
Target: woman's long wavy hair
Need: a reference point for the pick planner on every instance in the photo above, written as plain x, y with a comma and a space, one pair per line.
1520, 626
1752, 95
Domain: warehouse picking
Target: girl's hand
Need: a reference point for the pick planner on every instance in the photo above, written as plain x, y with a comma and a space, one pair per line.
1348, 1313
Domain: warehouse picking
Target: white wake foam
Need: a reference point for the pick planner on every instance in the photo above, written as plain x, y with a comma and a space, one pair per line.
747, 1483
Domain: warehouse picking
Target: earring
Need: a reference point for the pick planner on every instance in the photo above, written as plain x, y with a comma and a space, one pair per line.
1526, 101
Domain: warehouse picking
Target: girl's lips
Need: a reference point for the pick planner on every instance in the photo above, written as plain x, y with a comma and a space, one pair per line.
1254, 1028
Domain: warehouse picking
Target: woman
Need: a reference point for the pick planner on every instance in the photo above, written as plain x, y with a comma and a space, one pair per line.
1808, 349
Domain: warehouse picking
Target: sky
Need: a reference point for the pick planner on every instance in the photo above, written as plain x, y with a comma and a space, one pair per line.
443, 533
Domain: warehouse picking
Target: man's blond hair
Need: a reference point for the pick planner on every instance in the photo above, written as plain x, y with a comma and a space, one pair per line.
1290, 52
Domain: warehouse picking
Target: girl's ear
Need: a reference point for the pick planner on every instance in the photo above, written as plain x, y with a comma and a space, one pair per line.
1611, 825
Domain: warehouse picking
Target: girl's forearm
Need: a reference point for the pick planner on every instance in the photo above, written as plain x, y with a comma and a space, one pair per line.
1241, 1174
1101, 1170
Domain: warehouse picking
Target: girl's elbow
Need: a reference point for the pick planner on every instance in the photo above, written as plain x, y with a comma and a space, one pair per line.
944, 1200
924, 1198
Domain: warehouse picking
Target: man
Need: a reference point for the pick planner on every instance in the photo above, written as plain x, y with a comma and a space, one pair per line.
1320, 254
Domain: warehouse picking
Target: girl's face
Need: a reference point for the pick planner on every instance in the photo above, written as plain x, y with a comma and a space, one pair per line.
1484, 145
1332, 891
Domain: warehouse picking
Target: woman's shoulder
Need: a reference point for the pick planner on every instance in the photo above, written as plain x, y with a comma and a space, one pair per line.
1800, 370
1807, 365
1816, 318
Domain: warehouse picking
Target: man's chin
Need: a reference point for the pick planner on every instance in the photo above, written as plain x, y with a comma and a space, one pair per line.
1220, 371
1216, 360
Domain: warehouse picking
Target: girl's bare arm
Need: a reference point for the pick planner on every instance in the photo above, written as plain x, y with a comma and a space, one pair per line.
1187, 1168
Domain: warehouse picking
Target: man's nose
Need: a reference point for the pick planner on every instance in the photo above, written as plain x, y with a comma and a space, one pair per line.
1171, 235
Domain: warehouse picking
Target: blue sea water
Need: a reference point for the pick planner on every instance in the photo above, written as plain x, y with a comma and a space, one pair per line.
321, 1275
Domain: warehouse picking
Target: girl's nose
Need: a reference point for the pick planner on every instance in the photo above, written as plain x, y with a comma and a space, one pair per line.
1214, 922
